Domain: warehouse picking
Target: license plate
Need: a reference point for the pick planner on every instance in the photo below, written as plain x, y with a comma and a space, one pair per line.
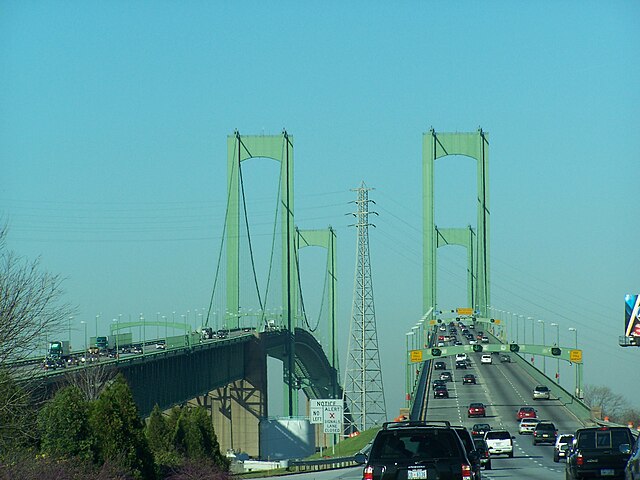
417, 474
607, 472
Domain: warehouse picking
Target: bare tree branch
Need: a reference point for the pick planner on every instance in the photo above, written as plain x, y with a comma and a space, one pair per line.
30, 305
91, 380
612, 404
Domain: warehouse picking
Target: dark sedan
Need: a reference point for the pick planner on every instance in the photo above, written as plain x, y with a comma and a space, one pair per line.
469, 378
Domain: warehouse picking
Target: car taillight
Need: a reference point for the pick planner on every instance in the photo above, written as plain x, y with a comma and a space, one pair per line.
368, 473
466, 471
579, 459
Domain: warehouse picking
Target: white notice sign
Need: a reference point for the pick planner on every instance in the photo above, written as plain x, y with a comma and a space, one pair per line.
328, 412
316, 414
333, 419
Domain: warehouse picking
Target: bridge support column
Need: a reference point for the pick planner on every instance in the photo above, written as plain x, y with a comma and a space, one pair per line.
238, 407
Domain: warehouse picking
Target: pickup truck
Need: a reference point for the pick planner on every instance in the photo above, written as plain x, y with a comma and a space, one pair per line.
599, 452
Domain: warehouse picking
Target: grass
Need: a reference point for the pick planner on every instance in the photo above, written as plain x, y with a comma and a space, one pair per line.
348, 446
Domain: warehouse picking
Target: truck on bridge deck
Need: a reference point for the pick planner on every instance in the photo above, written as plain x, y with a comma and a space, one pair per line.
59, 350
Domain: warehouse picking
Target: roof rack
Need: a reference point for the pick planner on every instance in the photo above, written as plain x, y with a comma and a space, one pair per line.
416, 423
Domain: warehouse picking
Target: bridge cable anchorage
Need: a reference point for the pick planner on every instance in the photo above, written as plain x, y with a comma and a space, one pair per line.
224, 230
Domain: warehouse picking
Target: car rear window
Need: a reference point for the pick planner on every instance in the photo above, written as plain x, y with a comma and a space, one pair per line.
416, 445
603, 438
545, 426
498, 436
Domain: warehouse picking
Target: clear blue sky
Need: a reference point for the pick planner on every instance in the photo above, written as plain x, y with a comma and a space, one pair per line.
113, 125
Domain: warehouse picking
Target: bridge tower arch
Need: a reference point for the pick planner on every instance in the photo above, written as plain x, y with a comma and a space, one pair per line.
463, 237
326, 238
435, 146
280, 149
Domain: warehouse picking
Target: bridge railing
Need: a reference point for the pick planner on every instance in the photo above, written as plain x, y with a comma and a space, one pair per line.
322, 464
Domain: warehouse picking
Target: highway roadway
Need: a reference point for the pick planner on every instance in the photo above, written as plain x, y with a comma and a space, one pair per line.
503, 388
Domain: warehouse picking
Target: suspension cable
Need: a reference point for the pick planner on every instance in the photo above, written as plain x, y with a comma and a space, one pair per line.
246, 221
224, 229
304, 312
273, 241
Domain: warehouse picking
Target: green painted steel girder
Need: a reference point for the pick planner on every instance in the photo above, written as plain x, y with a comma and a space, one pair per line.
571, 355
114, 327
438, 145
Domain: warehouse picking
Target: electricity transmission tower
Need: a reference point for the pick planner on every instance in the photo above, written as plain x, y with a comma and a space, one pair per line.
363, 392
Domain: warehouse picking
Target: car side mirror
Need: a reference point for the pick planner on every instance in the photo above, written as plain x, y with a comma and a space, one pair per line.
625, 448
513, 437
360, 458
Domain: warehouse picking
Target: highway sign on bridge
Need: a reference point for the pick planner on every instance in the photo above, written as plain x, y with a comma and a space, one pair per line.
570, 355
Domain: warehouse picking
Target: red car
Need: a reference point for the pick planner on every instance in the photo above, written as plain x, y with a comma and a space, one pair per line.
526, 412
476, 410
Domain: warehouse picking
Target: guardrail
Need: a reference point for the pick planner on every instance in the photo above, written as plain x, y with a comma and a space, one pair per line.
322, 464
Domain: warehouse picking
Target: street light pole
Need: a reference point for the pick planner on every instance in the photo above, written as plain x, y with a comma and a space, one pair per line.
575, 365
86, 356
513, 338
408, 372
544, 362
144, 333
117, 320
557, 345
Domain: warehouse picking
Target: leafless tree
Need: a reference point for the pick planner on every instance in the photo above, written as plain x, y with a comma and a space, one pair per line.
31, 305
632, 416
92, 379
612, 404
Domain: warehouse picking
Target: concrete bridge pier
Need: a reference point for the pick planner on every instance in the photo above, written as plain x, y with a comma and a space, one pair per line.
237, 408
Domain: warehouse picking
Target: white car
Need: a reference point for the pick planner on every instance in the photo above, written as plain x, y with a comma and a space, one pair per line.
461, 356
541, 392
486, 358
527, 425
500, 442
563, 442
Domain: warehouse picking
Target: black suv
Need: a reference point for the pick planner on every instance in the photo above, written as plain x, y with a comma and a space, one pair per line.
545, 432
417, 451
599, 452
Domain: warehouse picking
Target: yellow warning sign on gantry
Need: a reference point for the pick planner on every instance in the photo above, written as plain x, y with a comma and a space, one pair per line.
575, 356
416, 356
464, 311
